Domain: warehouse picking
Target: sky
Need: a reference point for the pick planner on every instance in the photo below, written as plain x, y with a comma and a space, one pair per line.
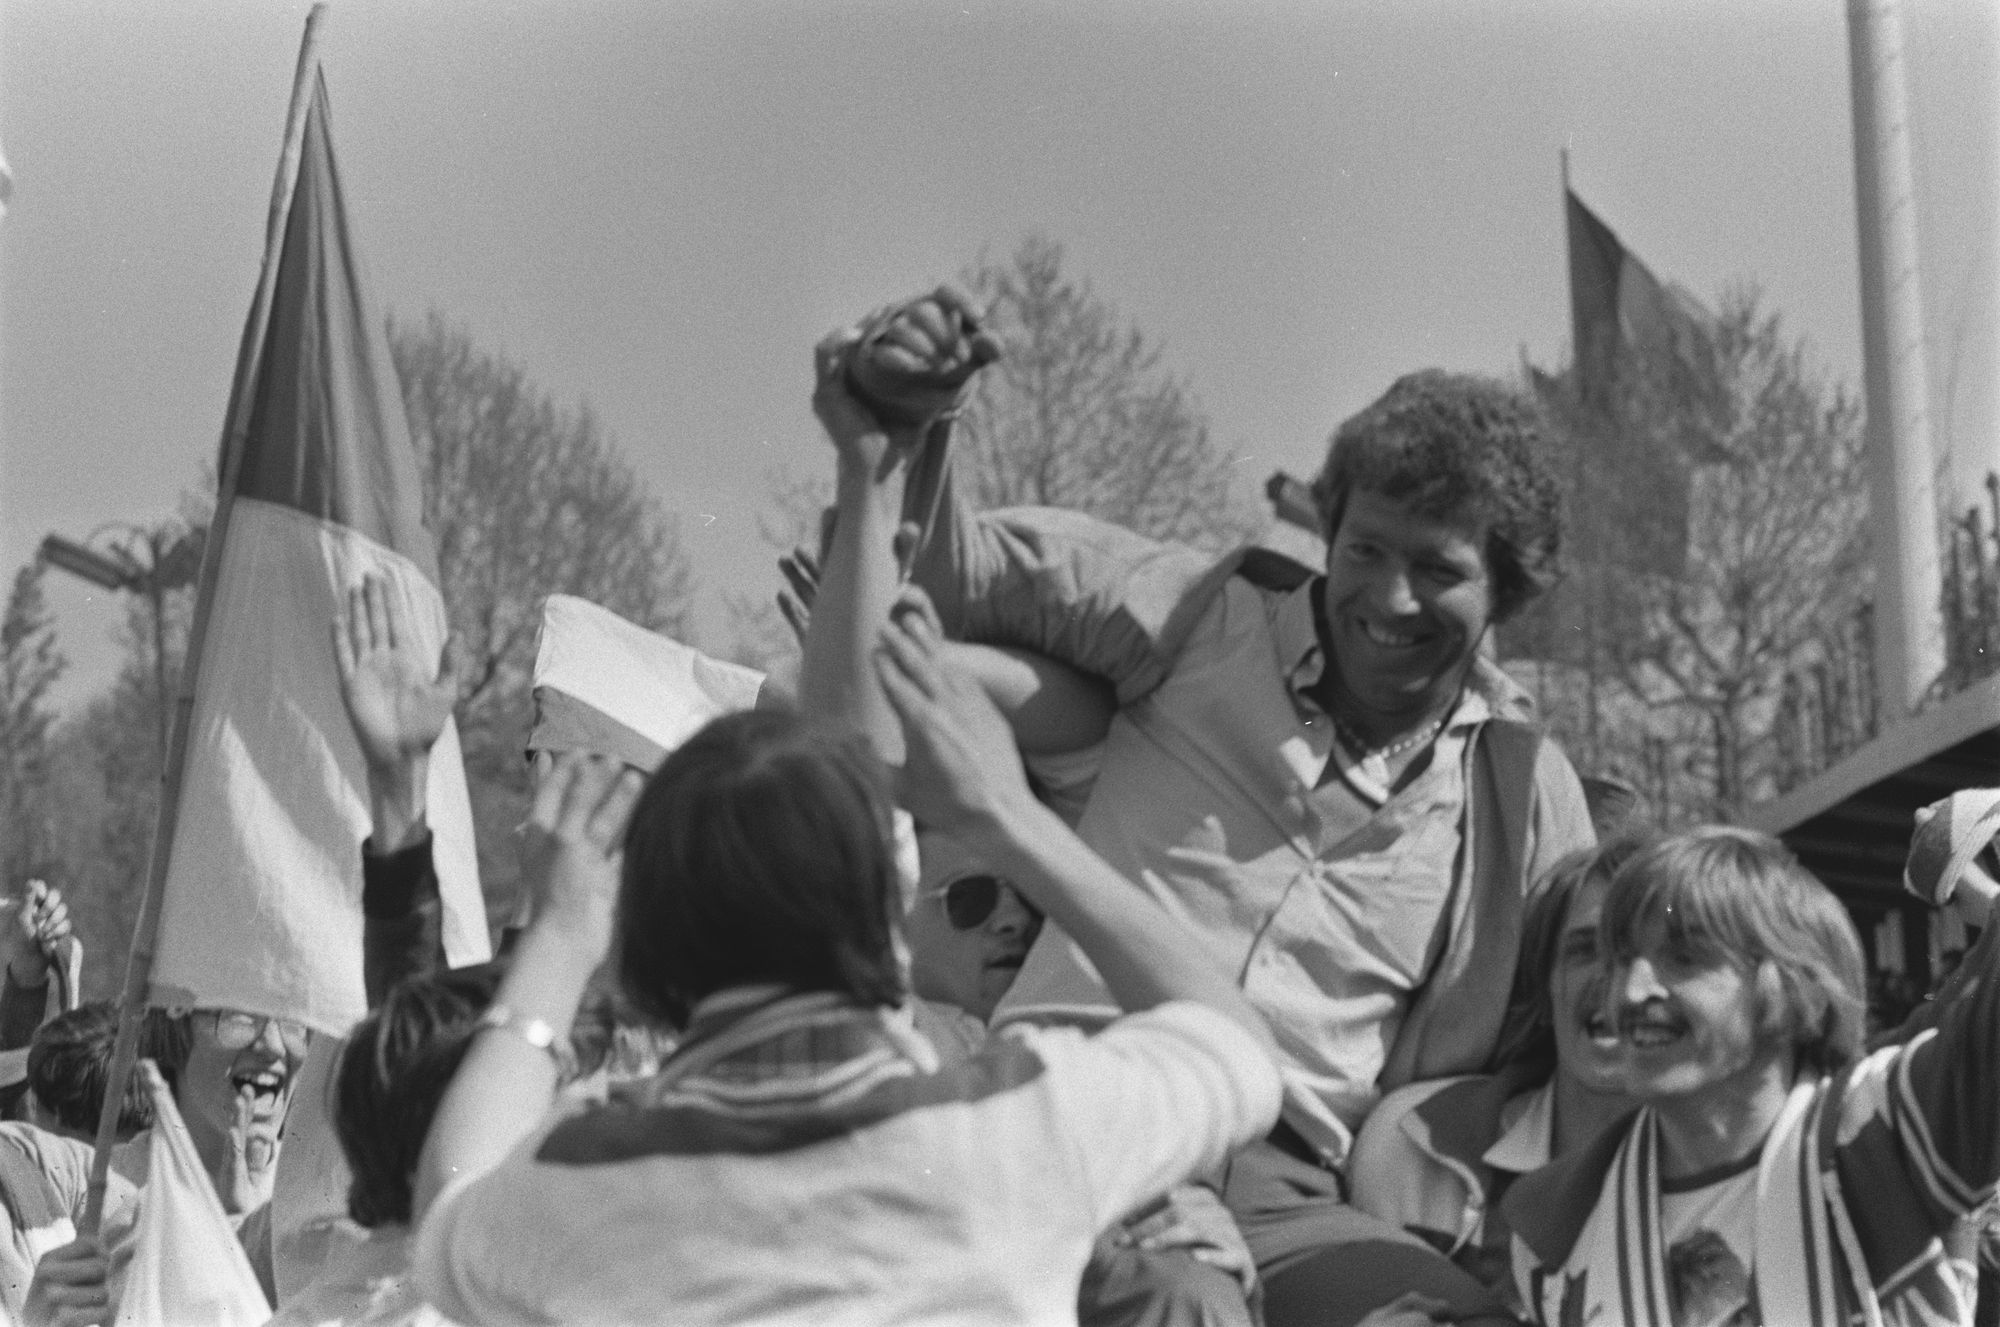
657, 208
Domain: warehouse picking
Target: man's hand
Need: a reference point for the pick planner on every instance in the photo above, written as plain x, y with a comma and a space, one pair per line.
40, 927
1191, 1217
573, 844
396, 704
962, 766
913, 360
71, 1287
867, 448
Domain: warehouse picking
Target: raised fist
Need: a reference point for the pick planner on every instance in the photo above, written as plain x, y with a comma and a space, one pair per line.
913, 360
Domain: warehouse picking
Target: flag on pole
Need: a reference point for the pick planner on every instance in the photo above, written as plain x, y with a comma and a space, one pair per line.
261, 907
606, 686
1617, 306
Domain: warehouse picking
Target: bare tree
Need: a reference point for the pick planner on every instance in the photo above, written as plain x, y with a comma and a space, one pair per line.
1079, 413
525, 498
30, 664
1696, 663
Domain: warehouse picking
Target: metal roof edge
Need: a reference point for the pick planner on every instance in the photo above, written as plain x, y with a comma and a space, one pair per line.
1972, 711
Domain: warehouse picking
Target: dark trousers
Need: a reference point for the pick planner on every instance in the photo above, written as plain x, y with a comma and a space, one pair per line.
1324, 1264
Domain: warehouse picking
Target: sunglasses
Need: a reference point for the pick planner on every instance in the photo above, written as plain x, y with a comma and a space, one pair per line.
970, 900
235, 1030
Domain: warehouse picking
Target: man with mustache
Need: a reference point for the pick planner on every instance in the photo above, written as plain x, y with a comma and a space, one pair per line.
1775, 1173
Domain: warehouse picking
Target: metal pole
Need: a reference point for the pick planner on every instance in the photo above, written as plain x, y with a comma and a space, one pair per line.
156, 591
1909, 632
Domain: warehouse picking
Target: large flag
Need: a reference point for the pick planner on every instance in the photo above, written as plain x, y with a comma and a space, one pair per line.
1635, 438
262, 901
1646, 383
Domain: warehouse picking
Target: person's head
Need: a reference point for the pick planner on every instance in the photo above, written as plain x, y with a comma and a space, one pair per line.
69, 1063
235, 1055
1441, 518
968, 929
1559, 982
761, 851
392, 1074
1725, 957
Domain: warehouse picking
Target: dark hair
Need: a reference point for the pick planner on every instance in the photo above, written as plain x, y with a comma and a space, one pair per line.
1737, 896
1454, 445
393, 1072
1527, 1043
69, 1063
761, 851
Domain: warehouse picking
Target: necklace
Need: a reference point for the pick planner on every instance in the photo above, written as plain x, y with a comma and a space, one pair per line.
1355, 746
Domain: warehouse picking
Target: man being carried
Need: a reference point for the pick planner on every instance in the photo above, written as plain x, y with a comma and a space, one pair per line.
1320, 775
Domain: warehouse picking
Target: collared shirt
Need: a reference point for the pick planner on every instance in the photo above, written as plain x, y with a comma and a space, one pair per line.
1211, 797
1529, 1141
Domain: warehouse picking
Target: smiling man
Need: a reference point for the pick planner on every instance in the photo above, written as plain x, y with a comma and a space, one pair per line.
1774, 1175
1320, 775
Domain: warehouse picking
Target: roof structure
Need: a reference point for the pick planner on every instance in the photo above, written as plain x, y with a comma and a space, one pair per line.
1851, 825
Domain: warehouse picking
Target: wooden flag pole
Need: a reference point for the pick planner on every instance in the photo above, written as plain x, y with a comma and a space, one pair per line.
139, 961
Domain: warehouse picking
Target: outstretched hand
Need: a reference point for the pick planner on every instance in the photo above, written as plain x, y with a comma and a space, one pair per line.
573, 844
397, 705
962, 768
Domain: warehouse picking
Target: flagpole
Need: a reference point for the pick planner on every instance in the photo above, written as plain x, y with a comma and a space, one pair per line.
1589, 586
139, 961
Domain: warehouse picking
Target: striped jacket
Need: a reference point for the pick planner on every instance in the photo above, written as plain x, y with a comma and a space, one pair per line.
1907, 1144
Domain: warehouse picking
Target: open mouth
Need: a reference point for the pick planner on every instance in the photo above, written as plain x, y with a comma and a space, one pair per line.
1643, 1029
266, 1086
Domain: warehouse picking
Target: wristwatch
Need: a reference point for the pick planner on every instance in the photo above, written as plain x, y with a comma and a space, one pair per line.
537, 1032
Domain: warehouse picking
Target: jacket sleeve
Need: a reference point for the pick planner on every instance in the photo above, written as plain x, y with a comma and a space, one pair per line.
1562, 817
1080, 590
403, 917
1944, 1087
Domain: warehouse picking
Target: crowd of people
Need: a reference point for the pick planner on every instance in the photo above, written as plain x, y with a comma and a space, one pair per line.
1107, 934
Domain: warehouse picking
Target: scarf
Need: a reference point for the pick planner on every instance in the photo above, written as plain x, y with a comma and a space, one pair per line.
1809, 1267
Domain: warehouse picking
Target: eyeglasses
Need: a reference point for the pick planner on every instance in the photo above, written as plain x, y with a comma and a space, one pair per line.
235, 1030
970, 900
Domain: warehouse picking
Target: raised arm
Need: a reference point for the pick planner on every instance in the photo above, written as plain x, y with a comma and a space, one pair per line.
1052, 708
961, 778
858, 583
570, 859
1953, 1078
398, 704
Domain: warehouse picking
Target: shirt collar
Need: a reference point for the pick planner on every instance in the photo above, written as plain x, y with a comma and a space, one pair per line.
1529, 1142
